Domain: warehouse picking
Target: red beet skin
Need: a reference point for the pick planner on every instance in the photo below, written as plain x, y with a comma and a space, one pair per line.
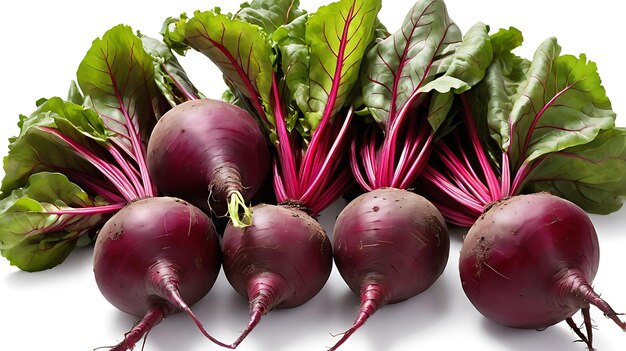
281, 261
204, 148
154, 257
528, 262
389, 245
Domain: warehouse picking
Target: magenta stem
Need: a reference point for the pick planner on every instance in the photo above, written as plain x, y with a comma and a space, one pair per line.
287, 163
89, 210
332, 95
189, 96
492, 179
129, 170
419, 164
456, 167
93, 184
111, 172
330, 161
135, 139
355, 167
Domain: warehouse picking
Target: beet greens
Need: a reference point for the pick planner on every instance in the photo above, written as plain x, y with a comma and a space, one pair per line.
75, 164
531, 126
408, 84
98, 144
545, 119
296, 73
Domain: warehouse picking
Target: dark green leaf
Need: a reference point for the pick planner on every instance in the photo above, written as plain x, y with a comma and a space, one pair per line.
269, 14
170, 76
118, 76
32, 237
592, 175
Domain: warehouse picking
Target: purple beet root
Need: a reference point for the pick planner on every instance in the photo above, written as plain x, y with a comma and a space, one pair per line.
389, 245
281, 261
529, 261
154, 257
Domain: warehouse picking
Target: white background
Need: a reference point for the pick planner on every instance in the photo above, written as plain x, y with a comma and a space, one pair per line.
61, 309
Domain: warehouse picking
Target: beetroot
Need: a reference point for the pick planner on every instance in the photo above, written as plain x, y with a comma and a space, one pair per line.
154, 257
529, 261
389, 245
210, 153
281, 261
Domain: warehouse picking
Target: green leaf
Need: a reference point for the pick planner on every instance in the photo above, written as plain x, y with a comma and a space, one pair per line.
294, 58
592, 175
41, 252
337, 36
560, 104
35, 149
169, 75
74, 95
239, 49
118, 76
495, 93
32, 237
410, 58
269, 14
465, 64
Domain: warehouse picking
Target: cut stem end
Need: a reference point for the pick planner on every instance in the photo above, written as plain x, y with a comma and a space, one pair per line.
239, 214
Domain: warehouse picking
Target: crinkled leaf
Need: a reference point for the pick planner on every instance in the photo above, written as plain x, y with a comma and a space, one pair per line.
592, 175
269, 14
398, 66
35, 149
30, 236
239, 49
561, 104
337, 36
466, 65
41, 252
118, 76
169, 74
462, 69
494, 94
294, 57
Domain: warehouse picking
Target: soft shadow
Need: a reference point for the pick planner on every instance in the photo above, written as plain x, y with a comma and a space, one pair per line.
282, 329
413, 316
556, 337
77, 263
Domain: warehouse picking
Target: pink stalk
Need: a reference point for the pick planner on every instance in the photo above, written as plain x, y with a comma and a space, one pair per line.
139, 151
419, 164
456, 167
332, 95
369, 155
387, 159
129, 170
112, 173
441, 182
408, 150
354, 165
89, 210
284, 145
506, 176
185, 93
332, 192
322, 174
93, 184
279, 187
492, 179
